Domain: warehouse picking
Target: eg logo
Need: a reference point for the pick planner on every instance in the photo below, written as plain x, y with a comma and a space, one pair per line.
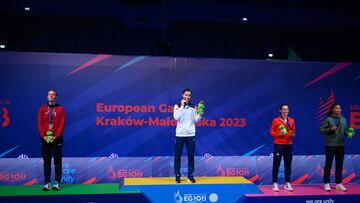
5, 116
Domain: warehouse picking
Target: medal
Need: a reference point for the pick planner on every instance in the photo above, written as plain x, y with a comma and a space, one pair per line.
51, 116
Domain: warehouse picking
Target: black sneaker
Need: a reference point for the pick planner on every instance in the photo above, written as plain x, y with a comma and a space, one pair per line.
177, 179
46, 187
191, 179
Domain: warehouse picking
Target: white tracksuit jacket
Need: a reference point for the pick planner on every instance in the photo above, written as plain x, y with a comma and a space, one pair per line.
186, 117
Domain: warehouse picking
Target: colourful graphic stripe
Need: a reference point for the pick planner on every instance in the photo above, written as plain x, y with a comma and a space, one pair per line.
349, 178
90, 181
301, 179
91, 62
32, 182
131, 62
254, 178
253, 151
8, 151
324, 107
334, 69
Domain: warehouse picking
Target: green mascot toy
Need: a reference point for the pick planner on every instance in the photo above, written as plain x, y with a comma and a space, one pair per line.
283, 129
200, 107
350, 133
49, 136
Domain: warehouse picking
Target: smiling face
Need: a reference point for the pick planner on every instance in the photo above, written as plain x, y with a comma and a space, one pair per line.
336, 110
186, 96
284, 111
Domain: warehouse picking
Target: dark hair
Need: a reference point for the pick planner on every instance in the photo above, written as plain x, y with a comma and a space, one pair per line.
331, 108
54, 90
187, 90
281, 106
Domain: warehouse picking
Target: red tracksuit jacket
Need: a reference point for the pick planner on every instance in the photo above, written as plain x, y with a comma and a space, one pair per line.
58, 120
274, 130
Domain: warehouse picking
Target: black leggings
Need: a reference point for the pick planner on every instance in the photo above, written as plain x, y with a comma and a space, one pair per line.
47, 150
330, 153
190, 148
286, 151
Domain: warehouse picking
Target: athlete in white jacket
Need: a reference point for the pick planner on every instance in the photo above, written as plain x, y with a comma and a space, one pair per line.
186, 117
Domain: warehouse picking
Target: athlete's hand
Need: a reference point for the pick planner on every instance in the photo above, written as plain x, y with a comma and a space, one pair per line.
183, 102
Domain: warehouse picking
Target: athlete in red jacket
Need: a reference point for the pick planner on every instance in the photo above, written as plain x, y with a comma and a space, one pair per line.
51, 117
283, 131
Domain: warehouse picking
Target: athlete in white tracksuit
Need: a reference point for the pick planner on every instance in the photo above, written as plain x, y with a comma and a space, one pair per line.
187, 117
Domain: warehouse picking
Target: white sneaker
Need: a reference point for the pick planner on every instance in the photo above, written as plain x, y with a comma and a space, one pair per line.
275, 187
46, 187
341, 187
288, 187
327, 187
56, 186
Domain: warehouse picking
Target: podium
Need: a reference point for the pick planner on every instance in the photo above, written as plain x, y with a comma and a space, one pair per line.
206, 189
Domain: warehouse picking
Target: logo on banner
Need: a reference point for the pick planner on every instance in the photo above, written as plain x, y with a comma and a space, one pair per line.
124, 173
10, 177
69, 174
207, 155
23, 156
113, 155
177, 197
194, 197
232, 171
213, 197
